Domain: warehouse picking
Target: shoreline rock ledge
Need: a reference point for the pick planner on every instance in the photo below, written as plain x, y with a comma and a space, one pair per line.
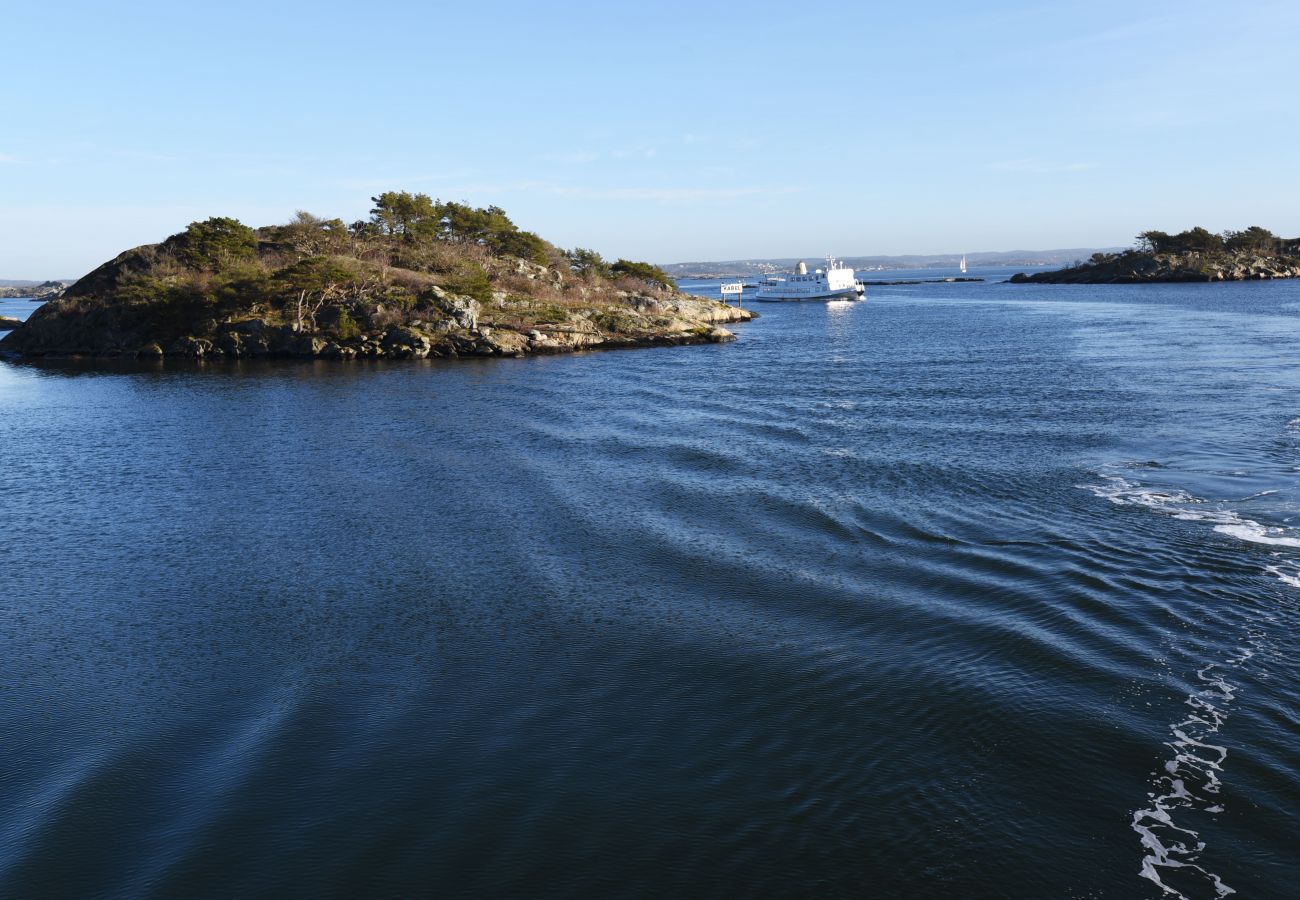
456, 326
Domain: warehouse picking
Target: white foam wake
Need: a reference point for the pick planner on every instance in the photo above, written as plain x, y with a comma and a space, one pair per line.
1190, 780
1186, 507
1281, 573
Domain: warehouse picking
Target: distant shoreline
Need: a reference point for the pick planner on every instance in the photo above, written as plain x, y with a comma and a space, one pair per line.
1154, 268
1011, 259
40, 291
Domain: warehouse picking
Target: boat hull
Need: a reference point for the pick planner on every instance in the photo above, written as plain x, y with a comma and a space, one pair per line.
777, 297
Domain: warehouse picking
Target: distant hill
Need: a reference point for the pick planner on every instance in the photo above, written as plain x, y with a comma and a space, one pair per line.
912, 261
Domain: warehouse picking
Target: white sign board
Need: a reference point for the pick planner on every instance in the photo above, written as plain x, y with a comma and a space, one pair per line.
732, 288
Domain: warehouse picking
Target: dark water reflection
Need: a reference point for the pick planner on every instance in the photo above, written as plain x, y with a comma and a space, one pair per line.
907, 598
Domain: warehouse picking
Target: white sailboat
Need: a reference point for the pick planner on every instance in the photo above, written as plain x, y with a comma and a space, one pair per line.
963, 264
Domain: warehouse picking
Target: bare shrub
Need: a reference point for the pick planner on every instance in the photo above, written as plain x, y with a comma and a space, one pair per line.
386, 316
410, 280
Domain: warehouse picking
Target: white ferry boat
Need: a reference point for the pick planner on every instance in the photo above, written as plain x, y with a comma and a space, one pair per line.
835, 282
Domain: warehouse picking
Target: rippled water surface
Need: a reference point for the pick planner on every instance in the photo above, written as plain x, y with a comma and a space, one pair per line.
968, 590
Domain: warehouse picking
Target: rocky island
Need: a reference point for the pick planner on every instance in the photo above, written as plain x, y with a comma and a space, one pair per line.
419, 278
45, 290
1255, 254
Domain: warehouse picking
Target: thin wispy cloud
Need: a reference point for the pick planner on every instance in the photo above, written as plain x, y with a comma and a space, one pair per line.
631, 193
147, 155
7, 158
398, 182
1033, 166
586, 156
576, 157
676, 194
635, 153
1138, 29
641, 151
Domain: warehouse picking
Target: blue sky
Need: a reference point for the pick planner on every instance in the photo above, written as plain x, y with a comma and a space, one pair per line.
668, 131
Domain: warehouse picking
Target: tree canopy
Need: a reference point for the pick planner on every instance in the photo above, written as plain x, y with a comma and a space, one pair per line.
214, 244
587, 263
1198, 240
405, 215
641, 270
1254, 238
311, 235
418, 219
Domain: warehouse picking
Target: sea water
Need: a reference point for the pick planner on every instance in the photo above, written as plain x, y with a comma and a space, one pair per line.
966, 590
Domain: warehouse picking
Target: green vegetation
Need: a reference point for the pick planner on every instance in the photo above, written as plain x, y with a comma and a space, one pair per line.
215, 244
472, 281
641, 271
1198, 240
1196, 254
415, 218
591, 265
550, 314
416, 270
346, 328
615, 321
290, 273
587, 263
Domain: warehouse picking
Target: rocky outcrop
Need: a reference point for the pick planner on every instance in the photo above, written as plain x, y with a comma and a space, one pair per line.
405, 343
461, 312
1135, 267
454, 326
8, 323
